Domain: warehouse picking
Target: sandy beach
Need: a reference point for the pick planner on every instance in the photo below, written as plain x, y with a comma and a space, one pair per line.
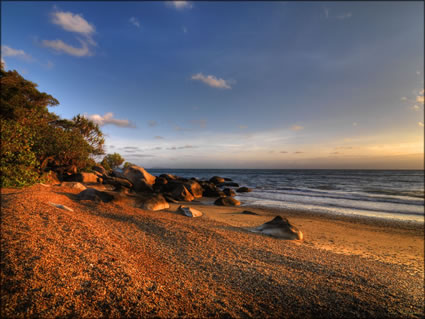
114, 260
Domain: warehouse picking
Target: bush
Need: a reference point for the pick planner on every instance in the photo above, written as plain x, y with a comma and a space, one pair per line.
112, 161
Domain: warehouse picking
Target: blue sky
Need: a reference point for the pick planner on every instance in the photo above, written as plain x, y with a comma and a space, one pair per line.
232, 85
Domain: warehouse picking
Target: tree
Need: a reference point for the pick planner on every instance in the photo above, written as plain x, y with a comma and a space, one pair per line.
33, 139
112, 161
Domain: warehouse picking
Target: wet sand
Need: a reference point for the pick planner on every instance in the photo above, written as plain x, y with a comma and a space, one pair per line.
114, 260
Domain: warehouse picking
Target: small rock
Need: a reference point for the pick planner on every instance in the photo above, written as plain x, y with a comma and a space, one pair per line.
189, 211
227, 201
244, 190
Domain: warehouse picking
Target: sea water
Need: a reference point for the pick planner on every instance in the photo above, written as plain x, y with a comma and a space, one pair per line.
389, 194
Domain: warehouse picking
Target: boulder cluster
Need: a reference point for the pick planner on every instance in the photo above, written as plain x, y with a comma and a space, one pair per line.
154, 193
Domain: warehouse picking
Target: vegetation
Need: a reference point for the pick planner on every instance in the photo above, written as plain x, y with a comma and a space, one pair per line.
35, 140
128, 164
112, 161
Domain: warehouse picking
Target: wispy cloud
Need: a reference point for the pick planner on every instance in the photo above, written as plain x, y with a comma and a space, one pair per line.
297, 128
7, 51
242, 127
173, 148
338, 16
60, 46
179, 5
212, 81
134, 21
159, 137
184, 29
108, 118
421, 124
283, 152
355, 124
72, 22
298, 152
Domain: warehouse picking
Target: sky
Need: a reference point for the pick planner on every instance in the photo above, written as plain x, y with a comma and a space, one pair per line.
182, 84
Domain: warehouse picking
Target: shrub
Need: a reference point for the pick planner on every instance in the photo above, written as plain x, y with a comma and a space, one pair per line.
112, 161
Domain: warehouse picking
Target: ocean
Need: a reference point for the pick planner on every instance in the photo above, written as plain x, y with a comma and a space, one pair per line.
388, 194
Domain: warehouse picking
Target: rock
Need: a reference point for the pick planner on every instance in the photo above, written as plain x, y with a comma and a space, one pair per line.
75, 185
160, 183
227, 201
156, 202
279, 227
229, 192
142, 180
217, 180
247, 212
189, 211
244, 190
96, 195
210, 190
118, 182
228, 179
61, 207
181, 193
52, 178
100, 169
86, 178
168, 177
228, 184
169, 199
194, 188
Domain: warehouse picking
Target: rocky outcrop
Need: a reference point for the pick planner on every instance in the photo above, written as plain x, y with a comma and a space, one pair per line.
168, 177
189, 211
210, 190
229, 192
181, 193
244, 190
142, 180
279, 227
217, 180
75, 185
227, 201
160, 183
100, 169
194, 188
228, 184
118, 182
156, 202
96, 195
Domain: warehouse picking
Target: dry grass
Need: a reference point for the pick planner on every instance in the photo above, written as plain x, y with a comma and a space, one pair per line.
114, 260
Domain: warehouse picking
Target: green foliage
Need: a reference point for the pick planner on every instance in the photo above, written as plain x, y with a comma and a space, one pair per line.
35, 139
112, 161
18, 163
128, 164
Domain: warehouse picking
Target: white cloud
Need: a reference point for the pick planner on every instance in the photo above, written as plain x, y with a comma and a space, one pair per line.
179, 5
134, 21
108, 118
60, 46
3, 62
344, 16
404, 98
297, 128
340, 16
212, 81
421, 124
72, 22
7, 51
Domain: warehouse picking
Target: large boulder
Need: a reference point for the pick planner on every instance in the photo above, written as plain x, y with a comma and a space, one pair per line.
217, 180
156, 202
181, 193
87, 178
96, 195
194, 188
118, 182
100, 169
160, 183
75, 185
229, 192
228, 184
227, 201
189, 211
244, 190
279, 227
210, 190
142, 180
168, 177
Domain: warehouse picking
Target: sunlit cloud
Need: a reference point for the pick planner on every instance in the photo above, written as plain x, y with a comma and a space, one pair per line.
7, 51
60, 46
72, 22
297, 128
299, 152
134, 21
354, 124
179, 5
242, 127
284, 152
108, 118
212, 81
416, 107
421, 124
